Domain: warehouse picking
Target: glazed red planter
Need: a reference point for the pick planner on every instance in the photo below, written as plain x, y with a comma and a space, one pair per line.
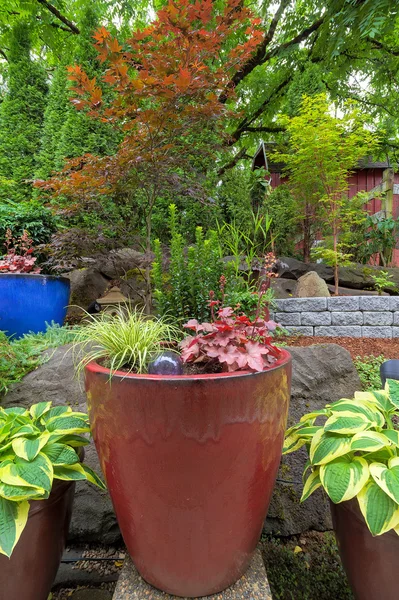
190, 463
371, 563
30, 572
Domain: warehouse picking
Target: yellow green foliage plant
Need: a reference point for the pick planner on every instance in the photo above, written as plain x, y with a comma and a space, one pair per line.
354, 454
37, 447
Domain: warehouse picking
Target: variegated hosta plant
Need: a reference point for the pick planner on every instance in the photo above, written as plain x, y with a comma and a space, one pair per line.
354, 453
37, 446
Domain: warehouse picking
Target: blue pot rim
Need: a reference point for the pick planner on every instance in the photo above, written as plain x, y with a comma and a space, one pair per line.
37, 276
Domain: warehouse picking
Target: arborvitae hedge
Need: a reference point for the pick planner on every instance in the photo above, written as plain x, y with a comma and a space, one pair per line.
21, 117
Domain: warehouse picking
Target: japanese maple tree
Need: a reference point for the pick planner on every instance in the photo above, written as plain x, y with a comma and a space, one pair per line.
166, 83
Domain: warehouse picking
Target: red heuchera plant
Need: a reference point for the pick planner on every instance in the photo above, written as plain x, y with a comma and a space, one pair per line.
19, 257
232, 339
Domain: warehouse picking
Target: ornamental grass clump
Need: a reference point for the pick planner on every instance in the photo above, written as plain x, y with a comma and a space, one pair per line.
354, 454
37, 447
127, 340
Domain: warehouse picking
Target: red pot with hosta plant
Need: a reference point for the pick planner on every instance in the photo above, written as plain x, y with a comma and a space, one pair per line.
190, 457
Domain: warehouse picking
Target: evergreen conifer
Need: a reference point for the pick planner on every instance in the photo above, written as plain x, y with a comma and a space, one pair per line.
21, 117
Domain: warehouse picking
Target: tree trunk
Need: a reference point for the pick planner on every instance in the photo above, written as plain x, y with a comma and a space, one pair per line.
148, 296
306, 236
336, 266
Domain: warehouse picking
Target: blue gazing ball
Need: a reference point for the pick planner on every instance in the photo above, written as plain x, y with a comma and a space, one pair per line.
166, 363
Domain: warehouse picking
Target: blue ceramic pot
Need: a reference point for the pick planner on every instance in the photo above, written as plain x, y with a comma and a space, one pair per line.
28, 302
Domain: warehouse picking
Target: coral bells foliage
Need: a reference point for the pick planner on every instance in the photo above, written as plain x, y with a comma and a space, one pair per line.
19, 257
169, 84
232, 339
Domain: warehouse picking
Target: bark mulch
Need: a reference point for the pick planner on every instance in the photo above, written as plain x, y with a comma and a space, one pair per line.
389, 348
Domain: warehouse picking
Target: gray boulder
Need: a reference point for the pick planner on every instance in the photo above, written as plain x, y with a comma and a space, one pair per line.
87, 285
283, 288
311, 285
125, 262
321, 374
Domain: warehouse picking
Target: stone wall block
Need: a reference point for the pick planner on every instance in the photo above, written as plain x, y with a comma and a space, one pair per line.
303, 304
347, 318
316, 318
377, 318
338, 331
377, 332
343, 303
299, 329
288, 318
378, 303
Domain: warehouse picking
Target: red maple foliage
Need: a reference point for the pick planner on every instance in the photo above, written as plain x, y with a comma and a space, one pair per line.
165, 83
19, 257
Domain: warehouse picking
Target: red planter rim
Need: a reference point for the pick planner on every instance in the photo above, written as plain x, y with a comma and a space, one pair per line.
94, 367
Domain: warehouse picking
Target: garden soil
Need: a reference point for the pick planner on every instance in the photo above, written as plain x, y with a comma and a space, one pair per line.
389, 348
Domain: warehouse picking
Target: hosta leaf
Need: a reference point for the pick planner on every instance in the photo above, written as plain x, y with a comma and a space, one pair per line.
343, 478
29, 449
387, 477
380, 398
18, 493
326, 446
369, 441
392, 387
93, 477
24, 430
392, 435
38, 473
68, 423
72, 440
16, 410
37, 410
61, 454
312, 483
309, 432
356, 407
13, 518
310, 417
56, 411
380, 512
345, 423
293, 442
70, 473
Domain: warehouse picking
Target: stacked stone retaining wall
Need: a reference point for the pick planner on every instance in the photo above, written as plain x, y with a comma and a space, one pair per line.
340, 316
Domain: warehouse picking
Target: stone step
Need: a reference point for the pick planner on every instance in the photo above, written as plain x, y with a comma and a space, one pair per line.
252, 586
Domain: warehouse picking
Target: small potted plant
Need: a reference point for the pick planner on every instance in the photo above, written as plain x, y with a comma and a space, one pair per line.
190, 446
40, 460
29, 300
354, 456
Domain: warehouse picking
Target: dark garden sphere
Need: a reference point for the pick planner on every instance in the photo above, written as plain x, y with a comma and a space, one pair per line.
166, 363
29, 302
190, 463
389, 370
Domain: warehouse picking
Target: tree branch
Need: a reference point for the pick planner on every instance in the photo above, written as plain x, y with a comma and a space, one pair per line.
261, 57
381, 46
71, 26
3, 54
232, 163
266, 129
257, 57
247, 121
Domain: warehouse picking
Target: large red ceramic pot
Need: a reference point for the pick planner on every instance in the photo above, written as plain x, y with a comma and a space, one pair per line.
371, 563
190, 463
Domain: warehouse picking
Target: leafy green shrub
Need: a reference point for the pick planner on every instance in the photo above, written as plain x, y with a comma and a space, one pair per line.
38, 447
382, 282
32, 217
182, 290
368, 368
282, 209
354, 454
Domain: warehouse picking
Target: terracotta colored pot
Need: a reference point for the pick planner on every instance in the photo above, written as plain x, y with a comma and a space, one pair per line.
371, 563
30, 572
190, 464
